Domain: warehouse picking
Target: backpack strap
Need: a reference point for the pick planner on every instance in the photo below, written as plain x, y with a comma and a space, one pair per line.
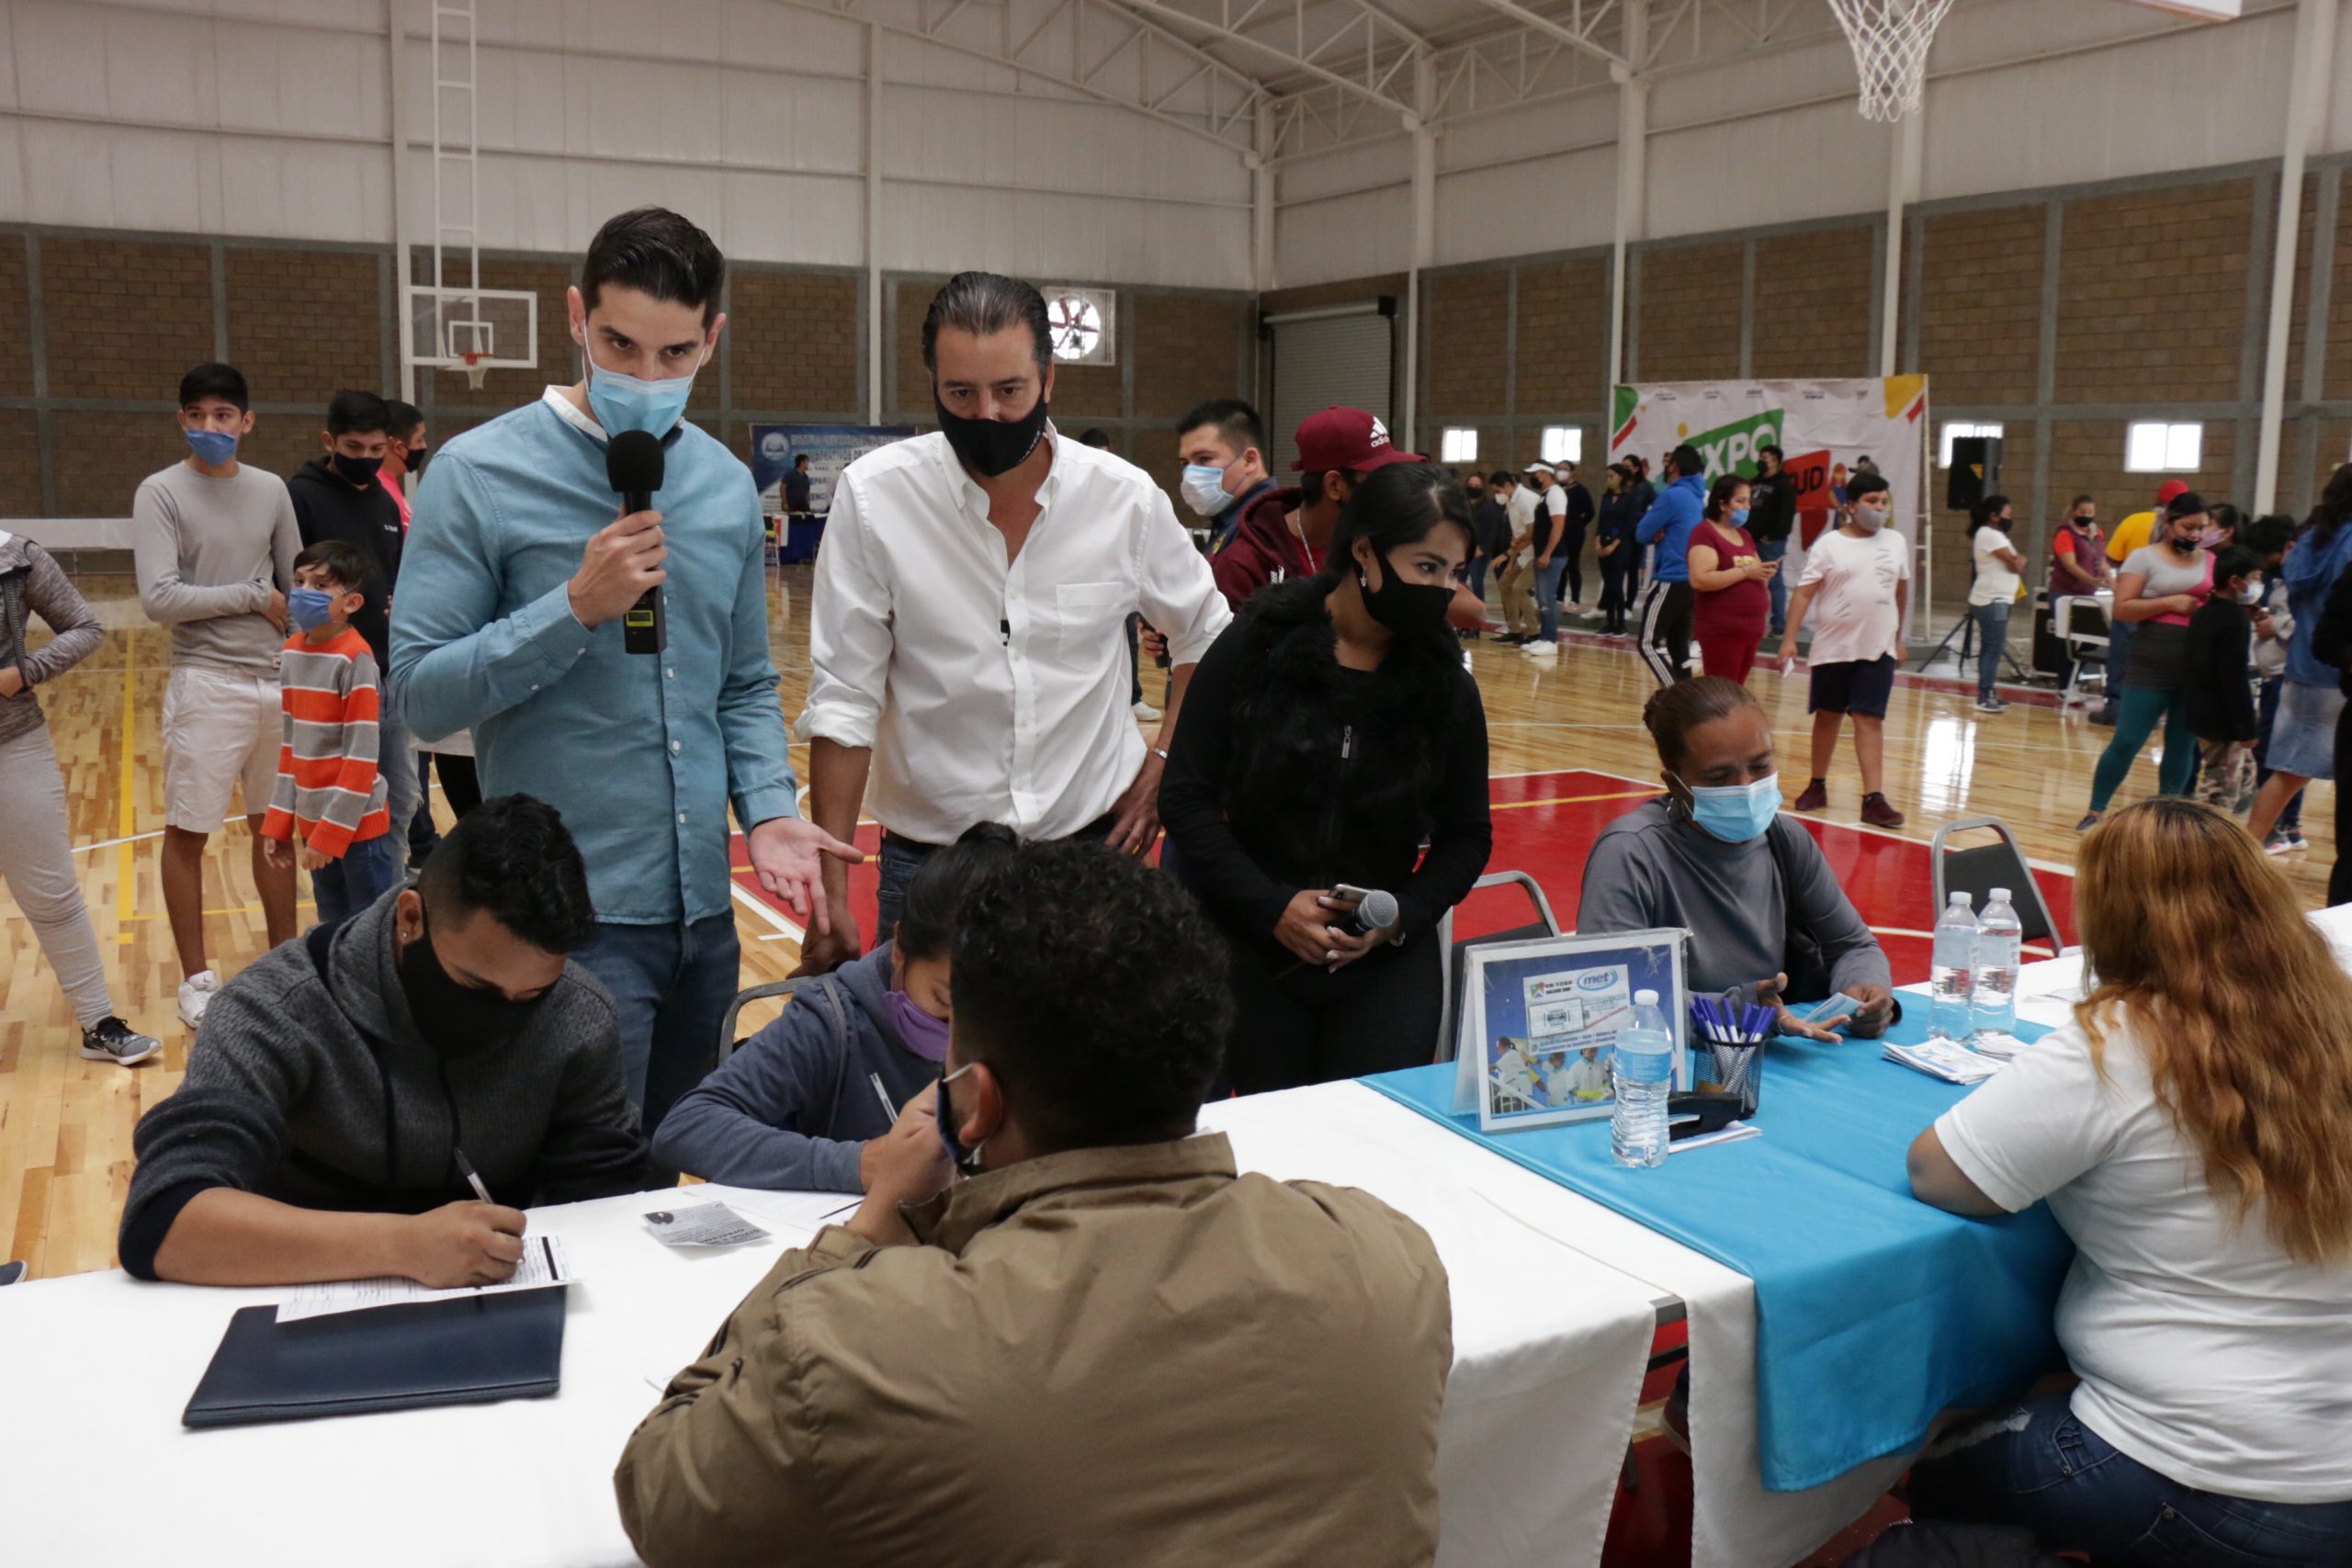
837, 1020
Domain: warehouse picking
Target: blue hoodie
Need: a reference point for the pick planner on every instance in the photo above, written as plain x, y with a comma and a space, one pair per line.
789, 1109
2310, 570
1668, 525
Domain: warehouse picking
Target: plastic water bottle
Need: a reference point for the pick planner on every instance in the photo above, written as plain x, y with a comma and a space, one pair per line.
1640, 1072
1993, 999
1950, 976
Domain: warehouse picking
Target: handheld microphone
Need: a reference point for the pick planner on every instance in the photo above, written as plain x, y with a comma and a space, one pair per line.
1376, 911
634, 462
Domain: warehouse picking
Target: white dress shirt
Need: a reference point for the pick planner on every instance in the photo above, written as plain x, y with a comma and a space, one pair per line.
988, 691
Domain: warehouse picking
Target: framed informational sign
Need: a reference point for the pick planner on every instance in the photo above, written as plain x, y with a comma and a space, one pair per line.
1540, 1022
831, 448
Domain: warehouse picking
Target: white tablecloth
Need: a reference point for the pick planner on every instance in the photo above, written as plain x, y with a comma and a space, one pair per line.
94, 1467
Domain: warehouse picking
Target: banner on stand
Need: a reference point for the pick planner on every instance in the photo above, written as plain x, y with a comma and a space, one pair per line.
831, 448
1826, 430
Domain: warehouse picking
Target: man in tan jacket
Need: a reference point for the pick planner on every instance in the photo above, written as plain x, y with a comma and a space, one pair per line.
1104, 1346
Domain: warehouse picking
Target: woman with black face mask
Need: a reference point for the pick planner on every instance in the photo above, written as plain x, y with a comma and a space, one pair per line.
2159, 587
1329, 732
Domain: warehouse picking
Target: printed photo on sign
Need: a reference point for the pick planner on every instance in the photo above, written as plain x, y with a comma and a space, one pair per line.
1541, 1020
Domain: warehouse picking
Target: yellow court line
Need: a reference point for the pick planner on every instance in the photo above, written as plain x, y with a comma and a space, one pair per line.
125, 870
232, 910
1573, 799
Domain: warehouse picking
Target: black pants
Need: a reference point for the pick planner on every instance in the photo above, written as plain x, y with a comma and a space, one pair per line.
1294, 1023
1665, 632
460, 786
1572, 570
2339, 876
1614, 596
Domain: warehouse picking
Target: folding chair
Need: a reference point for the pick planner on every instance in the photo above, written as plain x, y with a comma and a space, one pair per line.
727, 1041
1980, 868
1544, 924
2080, 622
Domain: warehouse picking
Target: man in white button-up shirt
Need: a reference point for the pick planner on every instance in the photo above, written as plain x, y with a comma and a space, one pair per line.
968, 633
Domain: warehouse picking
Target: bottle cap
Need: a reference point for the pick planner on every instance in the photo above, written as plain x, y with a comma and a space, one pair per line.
1958, 895
2002, 893
1645, 998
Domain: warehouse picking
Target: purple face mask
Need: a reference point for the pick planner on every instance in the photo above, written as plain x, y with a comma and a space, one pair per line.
926, 1036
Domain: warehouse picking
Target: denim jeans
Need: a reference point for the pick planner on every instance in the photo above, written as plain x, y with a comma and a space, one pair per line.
671, 986
403, 787
2119, 657
1474, 577
1773, 551
2042, 1468
1546, 588
1992, 641
896, 867
361, 875
2266, 707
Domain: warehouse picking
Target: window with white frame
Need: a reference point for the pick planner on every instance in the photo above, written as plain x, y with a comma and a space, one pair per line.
1458, 444
2155, 447
1954, 430
1563, 444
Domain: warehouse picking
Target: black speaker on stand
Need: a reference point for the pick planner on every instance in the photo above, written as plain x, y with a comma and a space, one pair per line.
1975, 471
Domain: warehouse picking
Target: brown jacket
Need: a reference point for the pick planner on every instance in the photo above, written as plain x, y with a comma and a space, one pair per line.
1124, 1355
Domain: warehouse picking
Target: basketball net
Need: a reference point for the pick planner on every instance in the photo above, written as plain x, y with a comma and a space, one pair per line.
1890, 40
477, 372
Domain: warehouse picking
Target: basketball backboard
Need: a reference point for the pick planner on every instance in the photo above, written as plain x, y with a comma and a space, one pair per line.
475, 331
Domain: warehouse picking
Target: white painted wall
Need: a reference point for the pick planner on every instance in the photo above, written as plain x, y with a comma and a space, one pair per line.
272, 117
2021, 93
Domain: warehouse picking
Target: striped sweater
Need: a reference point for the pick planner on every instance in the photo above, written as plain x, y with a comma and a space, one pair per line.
328, 785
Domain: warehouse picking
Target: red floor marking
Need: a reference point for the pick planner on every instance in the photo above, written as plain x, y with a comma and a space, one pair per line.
1550, 829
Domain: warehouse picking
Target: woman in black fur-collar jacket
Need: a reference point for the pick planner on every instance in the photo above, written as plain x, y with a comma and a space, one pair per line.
1328, 735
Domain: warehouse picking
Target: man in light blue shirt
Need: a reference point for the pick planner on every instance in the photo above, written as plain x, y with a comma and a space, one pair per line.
511, 590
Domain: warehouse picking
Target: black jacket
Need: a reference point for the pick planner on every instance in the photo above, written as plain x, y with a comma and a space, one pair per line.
2331, 634
1490, 525
2217, 691
1772, 506
1618, 514
328, 506
1291, 771
1580, 511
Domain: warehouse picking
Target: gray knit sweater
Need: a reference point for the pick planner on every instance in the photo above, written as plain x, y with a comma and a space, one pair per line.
32, 584
286, 1096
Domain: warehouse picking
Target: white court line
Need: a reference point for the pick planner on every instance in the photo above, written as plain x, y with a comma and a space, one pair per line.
137, 838
785, 929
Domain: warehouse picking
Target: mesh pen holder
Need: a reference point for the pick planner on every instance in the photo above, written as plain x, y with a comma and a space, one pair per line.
1732, 1036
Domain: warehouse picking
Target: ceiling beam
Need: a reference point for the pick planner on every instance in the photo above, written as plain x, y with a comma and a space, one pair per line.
1573, 37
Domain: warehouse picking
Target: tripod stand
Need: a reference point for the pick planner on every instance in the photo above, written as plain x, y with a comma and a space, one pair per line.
1965, 630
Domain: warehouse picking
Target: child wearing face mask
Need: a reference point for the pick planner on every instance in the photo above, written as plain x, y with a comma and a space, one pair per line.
800, 1105
2217, 683
328, 787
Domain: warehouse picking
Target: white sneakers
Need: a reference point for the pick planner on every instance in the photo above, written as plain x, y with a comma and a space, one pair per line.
1148, 712
196, 994
1539, 648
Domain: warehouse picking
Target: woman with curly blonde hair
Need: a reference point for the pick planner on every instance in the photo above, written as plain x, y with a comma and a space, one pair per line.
2192, 1132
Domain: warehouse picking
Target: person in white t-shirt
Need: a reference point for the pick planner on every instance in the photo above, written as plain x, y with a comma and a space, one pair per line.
1861, 576
1999, 571
2192, 1132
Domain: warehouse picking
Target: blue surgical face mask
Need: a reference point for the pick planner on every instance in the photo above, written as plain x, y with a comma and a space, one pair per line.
926, 1036
1739, 517
966, 1160
627, 402
1203, 489
1736, 813
309, 608
211, 446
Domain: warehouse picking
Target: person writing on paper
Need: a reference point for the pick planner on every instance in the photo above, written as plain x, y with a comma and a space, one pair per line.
808, 1103
2192, 1132
340, 1086
1715, 856
1104, 1347
1332, 731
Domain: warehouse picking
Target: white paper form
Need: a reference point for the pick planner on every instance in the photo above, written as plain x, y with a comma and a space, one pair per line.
544, 1265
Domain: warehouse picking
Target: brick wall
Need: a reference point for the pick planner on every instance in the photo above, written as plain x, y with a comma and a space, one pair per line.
1563, 337
1812, 308
794, 342
2338, 376
1346, 291
1980, 305
124, 319
1689, 313
1188, 348
2087, 457
2152, 294
305, 324
20, 480
16, 344
1465, 348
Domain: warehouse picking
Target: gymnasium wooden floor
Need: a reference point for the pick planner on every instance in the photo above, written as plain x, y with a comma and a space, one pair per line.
1568, 751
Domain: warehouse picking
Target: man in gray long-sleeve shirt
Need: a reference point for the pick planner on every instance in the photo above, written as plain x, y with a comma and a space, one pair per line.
345, 1090
214, 548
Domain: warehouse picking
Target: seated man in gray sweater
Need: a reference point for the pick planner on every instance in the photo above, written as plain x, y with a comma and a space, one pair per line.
345, 1091
1714, 856
805, 1103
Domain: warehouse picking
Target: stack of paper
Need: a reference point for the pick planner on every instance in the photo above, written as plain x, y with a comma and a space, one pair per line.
1987, 1042
1943, 1059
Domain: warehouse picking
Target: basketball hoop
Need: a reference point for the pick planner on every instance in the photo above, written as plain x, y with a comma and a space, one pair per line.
477, 370
1889, 39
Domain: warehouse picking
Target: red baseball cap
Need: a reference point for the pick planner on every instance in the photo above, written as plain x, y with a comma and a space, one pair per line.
2170, 492
1346, 438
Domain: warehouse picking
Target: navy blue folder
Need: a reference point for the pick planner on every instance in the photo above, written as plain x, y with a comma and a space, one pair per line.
397, 1358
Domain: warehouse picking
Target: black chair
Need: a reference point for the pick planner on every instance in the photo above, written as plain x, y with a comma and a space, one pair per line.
1979, 868
1456, 962
727, 1041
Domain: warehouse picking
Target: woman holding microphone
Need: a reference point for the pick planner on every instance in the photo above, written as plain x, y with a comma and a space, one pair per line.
1326, 735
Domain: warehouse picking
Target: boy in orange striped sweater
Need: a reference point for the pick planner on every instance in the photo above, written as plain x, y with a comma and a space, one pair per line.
329, 788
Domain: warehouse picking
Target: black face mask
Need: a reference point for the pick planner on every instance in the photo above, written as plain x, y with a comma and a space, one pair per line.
1407, 609
456, 1020
416, 456
992, 446
355, 470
